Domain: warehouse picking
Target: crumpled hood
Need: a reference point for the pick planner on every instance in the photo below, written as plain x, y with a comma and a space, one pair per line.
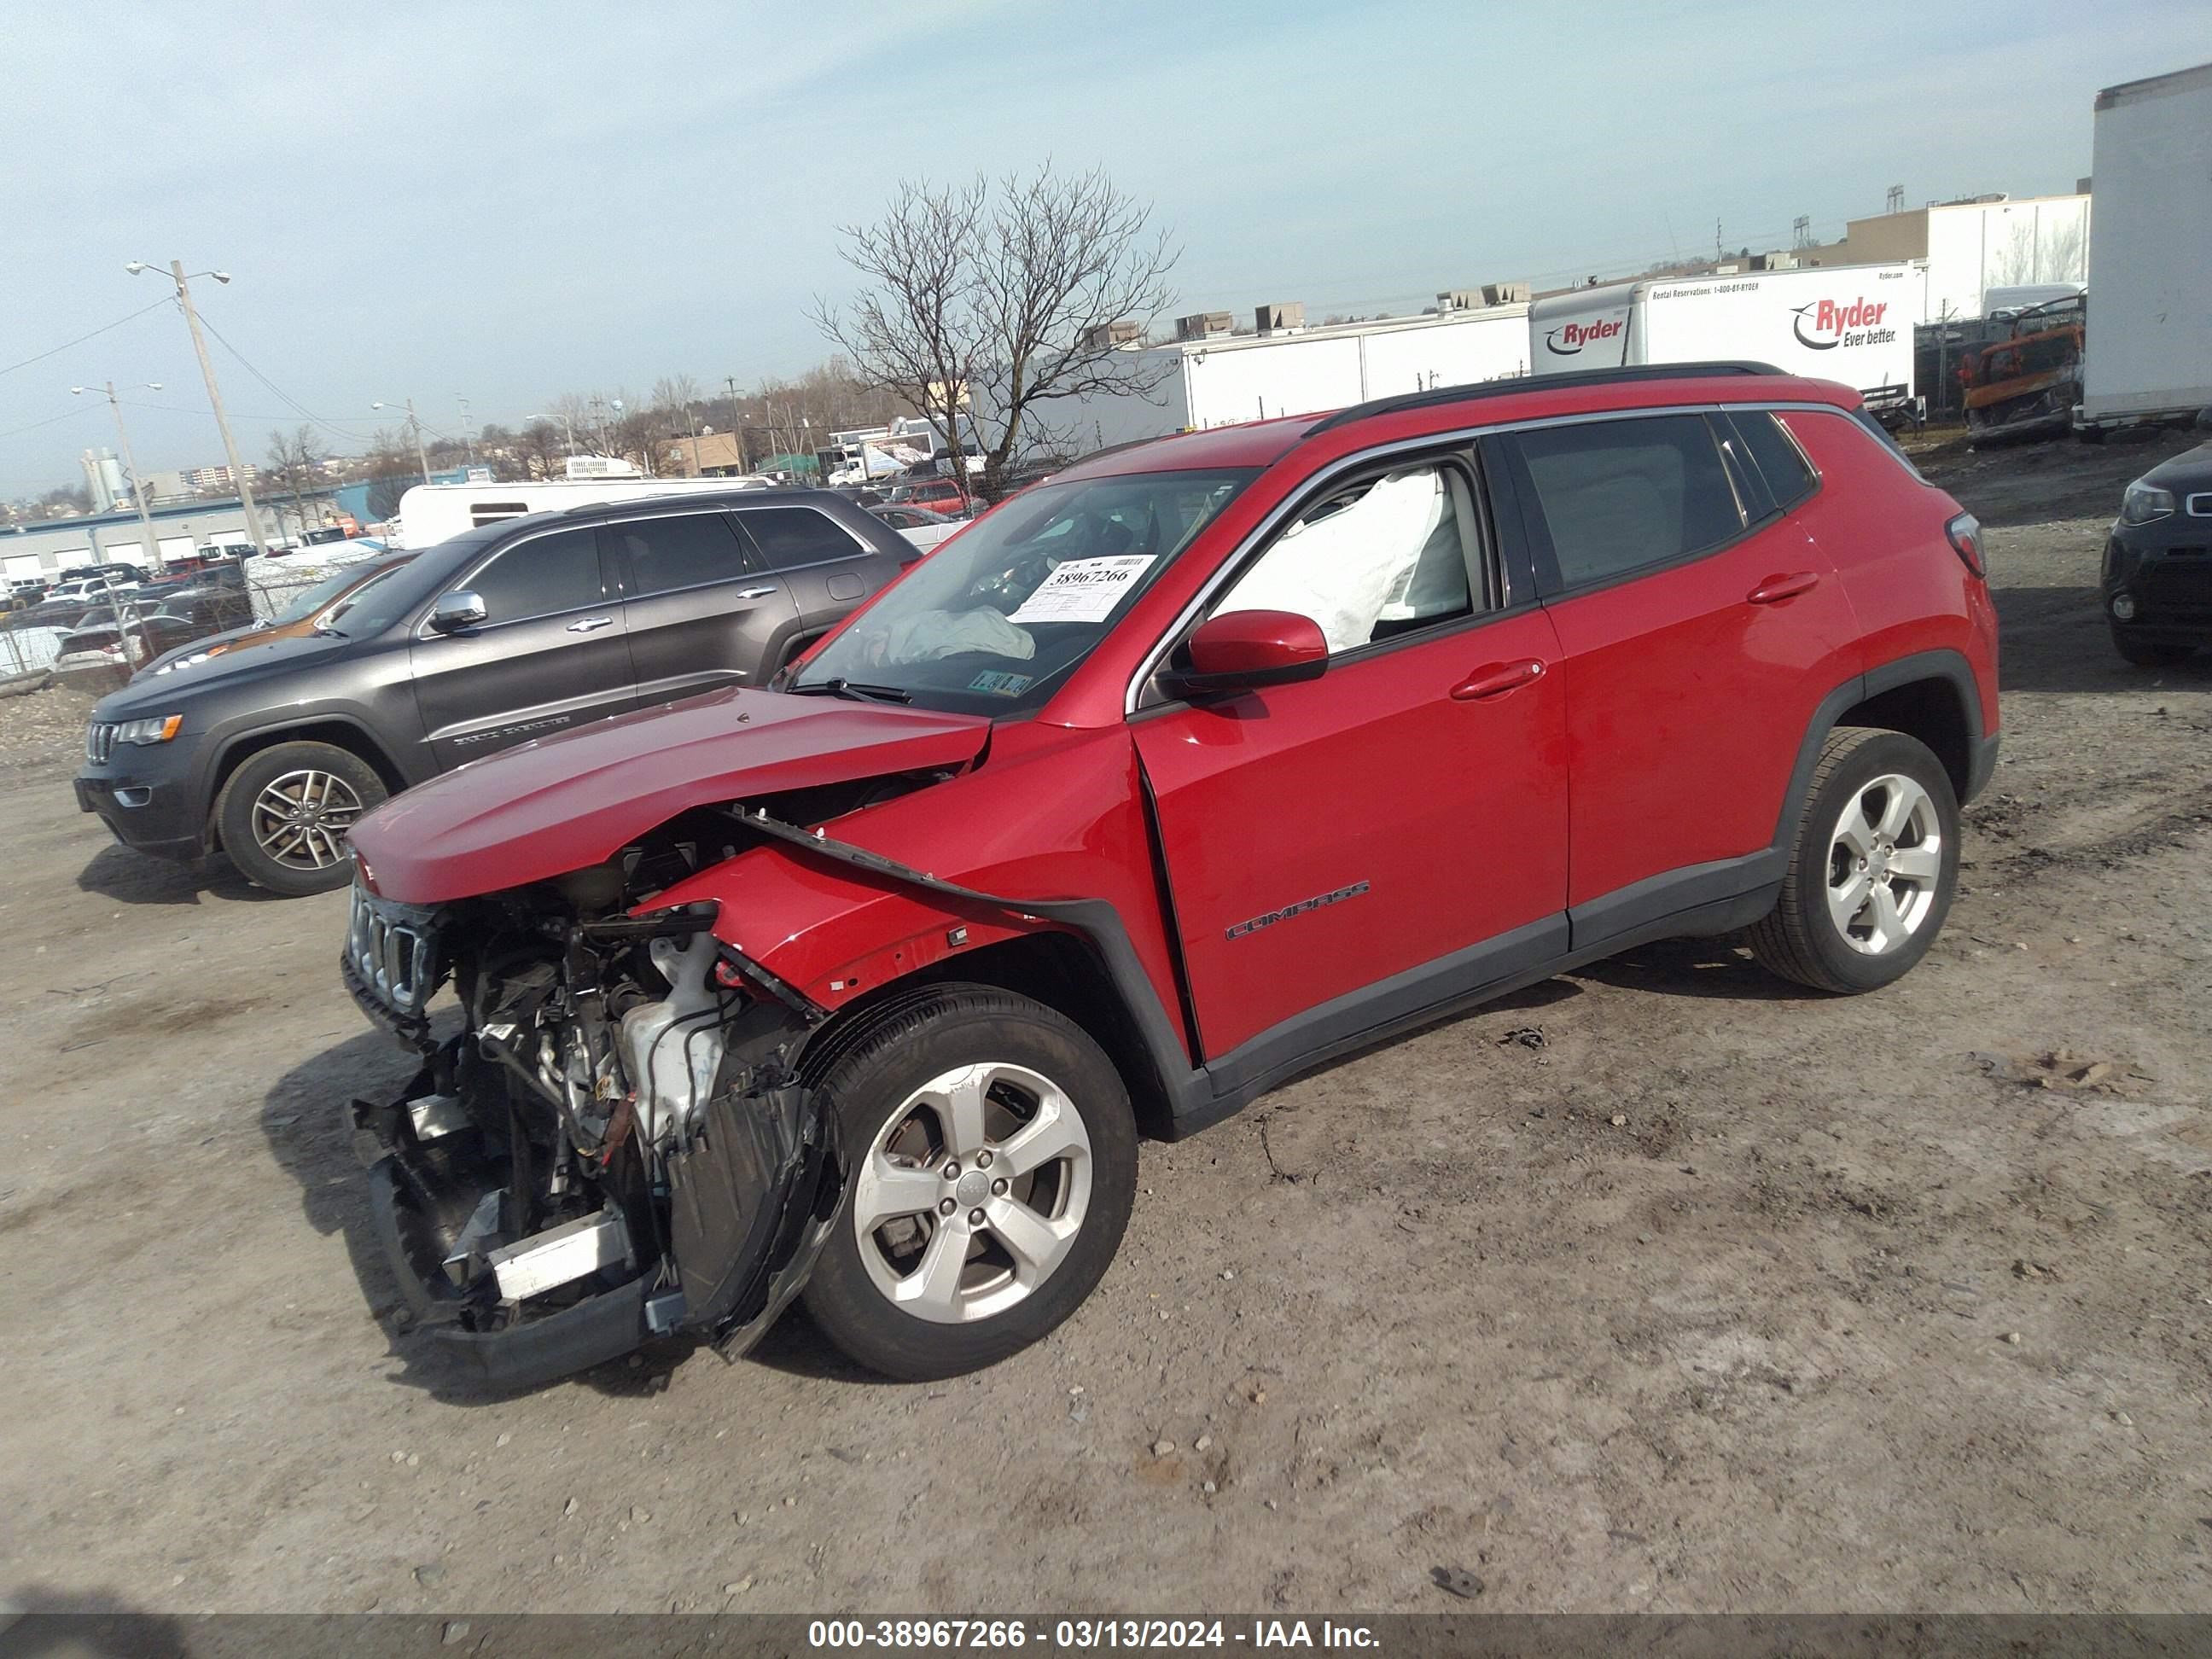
538, 811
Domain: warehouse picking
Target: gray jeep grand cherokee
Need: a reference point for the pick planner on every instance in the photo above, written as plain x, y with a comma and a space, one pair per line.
511, 631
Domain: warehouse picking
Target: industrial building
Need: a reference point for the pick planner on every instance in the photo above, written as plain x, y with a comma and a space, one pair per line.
49, 546
1976, 244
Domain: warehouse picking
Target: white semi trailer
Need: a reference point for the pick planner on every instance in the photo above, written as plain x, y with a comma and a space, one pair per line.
1849, 323
1226, 380
2148, 356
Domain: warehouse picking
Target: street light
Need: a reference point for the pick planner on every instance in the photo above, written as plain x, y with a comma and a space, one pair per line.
177, 275
415, 426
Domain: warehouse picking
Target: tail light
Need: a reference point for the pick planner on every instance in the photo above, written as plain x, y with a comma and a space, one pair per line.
1966, 534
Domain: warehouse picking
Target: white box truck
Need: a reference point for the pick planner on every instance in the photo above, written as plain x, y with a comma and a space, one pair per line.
1848, 323
2149, 346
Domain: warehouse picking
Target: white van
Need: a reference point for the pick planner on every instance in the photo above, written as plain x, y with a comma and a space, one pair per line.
430, 513
1848, 323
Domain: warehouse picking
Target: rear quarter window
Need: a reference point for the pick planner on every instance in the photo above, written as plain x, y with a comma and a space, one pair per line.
789, 537
1789, 477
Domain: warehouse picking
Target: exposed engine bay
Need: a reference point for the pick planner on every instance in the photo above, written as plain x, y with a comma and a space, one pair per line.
618, 1141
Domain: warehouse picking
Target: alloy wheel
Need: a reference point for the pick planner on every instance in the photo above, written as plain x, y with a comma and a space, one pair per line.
973, 1193
1885, 860
301, 819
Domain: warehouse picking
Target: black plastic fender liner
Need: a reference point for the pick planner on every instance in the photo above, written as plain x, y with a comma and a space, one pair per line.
741, 1198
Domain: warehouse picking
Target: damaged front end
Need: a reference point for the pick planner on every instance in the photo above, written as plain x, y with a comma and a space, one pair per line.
614, 1145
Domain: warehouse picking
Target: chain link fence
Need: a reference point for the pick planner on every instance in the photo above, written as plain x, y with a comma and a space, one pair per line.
31, 639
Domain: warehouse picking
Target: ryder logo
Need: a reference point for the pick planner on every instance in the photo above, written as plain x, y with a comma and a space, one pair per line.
1824, 325
1567, 341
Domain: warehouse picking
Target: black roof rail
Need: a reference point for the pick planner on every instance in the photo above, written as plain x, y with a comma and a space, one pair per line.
1520, 383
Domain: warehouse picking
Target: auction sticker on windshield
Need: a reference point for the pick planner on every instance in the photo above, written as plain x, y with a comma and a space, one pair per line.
1082, 590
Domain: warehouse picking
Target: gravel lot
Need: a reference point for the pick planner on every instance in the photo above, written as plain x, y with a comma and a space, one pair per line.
1725, 1298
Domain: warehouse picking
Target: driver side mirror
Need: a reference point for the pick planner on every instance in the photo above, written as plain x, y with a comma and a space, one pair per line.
457, 611
1244, 650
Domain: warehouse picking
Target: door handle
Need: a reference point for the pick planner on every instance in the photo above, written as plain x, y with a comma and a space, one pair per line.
590, 624
754, 592
1782, 588
1495, 679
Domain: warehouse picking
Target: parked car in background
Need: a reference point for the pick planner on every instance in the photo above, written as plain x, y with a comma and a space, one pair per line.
1211, 759
2157, 577
933, 495
84, 589
92, 655
923, 528
513, 631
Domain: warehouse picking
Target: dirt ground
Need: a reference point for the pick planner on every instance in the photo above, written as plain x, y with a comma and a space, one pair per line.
1724, 1299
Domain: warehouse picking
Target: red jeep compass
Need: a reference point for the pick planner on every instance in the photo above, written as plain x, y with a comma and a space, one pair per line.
1206, 760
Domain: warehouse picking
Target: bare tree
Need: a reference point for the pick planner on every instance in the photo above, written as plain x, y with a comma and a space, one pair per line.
296, 461
914, 329
539, 448
994, 302
675, 399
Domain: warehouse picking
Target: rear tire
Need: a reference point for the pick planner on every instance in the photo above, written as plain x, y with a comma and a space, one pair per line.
2148, 653
284, 816
1035, 1120
1872, 869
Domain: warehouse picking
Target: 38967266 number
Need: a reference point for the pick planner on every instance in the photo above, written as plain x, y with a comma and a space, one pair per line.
942, 1633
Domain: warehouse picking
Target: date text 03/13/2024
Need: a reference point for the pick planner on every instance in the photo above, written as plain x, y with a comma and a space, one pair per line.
1085, 1634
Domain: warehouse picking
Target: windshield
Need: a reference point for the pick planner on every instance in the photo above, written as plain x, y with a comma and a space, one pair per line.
995, 621
317, 597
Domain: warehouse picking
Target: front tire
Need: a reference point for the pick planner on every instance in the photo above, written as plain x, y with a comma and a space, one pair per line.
284, 813
1871, 870
993, 1162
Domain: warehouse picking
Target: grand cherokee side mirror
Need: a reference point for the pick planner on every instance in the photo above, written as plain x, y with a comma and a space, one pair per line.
457, 611
1244, 650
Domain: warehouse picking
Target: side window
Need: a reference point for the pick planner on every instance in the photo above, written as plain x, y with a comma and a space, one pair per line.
788, 537
1775, 453
1383, 556
1617, 496
540, 577
685, 549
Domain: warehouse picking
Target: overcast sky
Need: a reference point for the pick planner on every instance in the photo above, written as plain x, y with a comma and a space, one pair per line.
508, 202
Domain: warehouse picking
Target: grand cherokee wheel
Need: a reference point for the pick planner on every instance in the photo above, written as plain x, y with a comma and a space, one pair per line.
993, 1159
284, 813
1873, 868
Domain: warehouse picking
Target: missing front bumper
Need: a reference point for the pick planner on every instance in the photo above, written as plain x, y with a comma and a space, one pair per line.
751, 1208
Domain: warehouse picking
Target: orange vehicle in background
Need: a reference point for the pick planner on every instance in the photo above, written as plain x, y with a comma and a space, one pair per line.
312, 611
2025, 384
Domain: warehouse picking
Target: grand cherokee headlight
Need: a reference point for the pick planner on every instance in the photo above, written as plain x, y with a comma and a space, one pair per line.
158, 729
2142, 502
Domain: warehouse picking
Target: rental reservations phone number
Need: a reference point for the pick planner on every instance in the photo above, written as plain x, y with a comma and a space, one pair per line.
1083, 1634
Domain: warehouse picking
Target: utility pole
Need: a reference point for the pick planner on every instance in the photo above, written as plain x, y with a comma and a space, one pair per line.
214, 401
124, 613
468, 432
138, 484
415, 429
